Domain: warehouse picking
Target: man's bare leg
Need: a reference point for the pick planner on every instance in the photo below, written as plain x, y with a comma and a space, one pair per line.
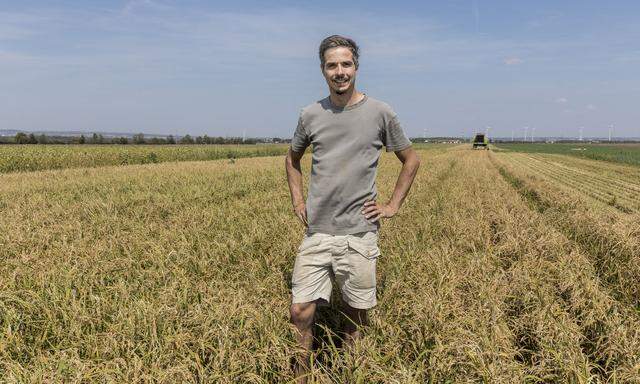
356, 319
302, 316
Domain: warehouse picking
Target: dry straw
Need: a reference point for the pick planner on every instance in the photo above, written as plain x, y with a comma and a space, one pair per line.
179, 272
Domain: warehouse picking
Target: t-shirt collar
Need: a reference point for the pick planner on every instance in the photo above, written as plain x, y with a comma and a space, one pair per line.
349, 107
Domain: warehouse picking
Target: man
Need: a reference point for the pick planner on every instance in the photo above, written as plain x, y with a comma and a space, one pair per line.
347, 130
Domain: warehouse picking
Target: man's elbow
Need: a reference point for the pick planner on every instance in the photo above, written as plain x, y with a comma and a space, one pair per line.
411, 159
292, 159
415, 161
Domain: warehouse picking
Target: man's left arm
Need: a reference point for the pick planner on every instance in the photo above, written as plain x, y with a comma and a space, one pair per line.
410, 164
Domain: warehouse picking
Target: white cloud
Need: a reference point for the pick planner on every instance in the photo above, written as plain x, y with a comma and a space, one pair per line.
135, 5
513, 61
591, 107
545, 20
157, 32
561, 100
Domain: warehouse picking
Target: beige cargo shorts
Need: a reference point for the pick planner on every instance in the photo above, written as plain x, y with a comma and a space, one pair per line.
349, 260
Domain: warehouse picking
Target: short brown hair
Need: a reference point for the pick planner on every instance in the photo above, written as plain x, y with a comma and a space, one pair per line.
335, 41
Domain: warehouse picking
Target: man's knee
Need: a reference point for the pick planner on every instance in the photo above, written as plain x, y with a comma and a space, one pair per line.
302, 313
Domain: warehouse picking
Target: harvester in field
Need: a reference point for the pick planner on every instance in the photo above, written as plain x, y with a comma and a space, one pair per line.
480, 140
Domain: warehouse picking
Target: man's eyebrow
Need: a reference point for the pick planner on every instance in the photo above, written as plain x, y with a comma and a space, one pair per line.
336, 62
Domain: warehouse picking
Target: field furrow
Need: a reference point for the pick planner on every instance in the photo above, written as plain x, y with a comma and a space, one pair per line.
613, 181
606, 190
612, 238
576, 184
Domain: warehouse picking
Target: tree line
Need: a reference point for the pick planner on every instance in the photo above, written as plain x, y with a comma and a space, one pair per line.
96, 138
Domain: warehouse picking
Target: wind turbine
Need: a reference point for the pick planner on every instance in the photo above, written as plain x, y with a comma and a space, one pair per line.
525, 133
610, 131
581, 128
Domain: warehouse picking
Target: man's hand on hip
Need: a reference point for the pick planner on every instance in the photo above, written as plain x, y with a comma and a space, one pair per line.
301, 211
376, 211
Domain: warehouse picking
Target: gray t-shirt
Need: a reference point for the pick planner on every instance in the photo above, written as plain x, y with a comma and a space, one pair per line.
346, 148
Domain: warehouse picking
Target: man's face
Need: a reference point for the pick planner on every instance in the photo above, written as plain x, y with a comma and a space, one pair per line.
339, 69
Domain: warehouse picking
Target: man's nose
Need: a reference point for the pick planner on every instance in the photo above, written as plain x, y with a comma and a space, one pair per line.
339, 69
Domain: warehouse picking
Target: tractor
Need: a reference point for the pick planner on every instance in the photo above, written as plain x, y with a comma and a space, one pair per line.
480, 141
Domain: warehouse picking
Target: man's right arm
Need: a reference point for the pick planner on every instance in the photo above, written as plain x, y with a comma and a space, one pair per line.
294, 178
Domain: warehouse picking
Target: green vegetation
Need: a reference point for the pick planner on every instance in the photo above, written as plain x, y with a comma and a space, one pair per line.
19, 158
619, 153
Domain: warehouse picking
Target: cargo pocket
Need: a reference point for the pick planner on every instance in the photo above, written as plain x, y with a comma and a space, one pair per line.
367, 245
369, 251
362, 262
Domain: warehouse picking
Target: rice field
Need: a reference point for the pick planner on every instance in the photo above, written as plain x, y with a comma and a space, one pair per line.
613, 184
626, 153
20, 158
500, 267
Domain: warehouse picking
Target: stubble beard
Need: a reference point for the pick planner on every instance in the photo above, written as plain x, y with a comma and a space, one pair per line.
342, 92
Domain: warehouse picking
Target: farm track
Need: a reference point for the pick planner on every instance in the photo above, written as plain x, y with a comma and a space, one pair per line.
179, 272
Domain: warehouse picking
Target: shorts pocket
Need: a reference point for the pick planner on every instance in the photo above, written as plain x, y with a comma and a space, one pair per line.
362, 257
309, 242
367, 248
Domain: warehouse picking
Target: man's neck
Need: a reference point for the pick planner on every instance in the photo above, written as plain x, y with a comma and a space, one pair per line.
346, 99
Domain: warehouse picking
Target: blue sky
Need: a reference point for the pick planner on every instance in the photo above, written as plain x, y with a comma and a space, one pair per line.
203, 67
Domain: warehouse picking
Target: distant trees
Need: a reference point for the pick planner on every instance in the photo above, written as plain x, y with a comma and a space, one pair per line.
23, 138
186, 139
97, 139
139, 138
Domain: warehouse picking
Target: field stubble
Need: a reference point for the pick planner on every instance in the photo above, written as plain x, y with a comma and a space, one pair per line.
180, 272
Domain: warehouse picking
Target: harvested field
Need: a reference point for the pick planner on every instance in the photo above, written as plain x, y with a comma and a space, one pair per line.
500, 267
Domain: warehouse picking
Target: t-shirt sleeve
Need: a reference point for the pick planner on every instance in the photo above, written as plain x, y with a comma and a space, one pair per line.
393, 137
300, 140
